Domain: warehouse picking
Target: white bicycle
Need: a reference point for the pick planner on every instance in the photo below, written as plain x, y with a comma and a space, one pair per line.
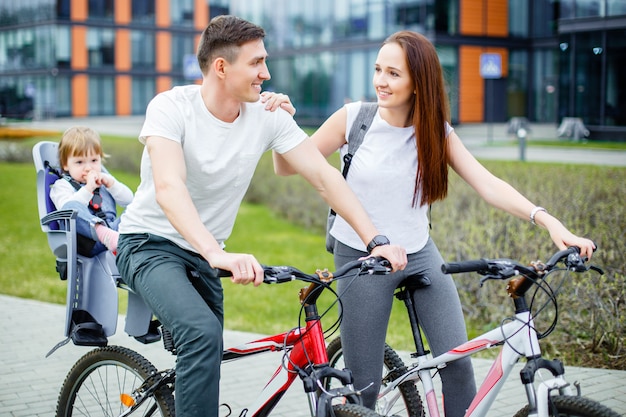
516, 337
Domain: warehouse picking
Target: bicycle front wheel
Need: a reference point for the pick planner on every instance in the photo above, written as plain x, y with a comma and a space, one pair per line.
101, 382
570, 406
404, 401
353, 410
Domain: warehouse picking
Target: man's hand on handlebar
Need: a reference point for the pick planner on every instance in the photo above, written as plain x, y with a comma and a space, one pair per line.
243, 267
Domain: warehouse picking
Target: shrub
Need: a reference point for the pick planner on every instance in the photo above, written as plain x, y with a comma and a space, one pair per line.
592, 311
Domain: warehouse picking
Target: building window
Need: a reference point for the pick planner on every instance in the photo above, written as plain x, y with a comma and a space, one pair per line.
101, 96
101, 46
615, 80
142, 49
63, 9
63, 48
588, 76
181, 12
143, 11
143, 91
182, 44
101, 9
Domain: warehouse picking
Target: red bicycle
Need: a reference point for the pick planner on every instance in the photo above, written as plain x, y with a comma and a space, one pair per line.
117, 381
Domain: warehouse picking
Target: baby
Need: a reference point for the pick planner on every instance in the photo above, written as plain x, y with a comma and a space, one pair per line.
85, 188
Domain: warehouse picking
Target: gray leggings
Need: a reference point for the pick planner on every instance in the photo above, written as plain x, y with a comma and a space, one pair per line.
367, 304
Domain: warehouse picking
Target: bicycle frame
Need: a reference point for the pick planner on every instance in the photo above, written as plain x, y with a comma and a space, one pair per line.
518, 338
306, 358
306, 345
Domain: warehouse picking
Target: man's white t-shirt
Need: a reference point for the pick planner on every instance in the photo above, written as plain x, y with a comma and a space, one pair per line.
220, 159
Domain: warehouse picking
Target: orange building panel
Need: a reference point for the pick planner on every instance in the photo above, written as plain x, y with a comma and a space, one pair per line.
122, 50
201, 14
79, 48
162, 13
123, 96
163, 84
80, 95
163, 51
498, 18
78, 10
471, 14
471, 87
484, 17
123, 12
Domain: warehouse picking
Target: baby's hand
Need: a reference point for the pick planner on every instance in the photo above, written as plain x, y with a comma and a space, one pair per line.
106, 180
93, 181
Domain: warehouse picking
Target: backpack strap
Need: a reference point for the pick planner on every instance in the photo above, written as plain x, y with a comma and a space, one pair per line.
357, 132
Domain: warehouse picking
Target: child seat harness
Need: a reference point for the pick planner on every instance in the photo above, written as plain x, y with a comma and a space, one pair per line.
95, 204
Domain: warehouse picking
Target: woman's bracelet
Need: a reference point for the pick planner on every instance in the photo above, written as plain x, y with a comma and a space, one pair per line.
534, 212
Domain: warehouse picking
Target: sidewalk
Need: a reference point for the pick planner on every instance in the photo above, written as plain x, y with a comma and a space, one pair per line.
30, 383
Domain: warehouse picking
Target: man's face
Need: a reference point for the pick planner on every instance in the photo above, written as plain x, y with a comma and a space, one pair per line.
246, 74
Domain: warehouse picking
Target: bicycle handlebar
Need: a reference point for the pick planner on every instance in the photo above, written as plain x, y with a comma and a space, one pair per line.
283, 273
506, 268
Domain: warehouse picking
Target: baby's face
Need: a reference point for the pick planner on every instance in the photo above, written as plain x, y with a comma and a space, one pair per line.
79, 166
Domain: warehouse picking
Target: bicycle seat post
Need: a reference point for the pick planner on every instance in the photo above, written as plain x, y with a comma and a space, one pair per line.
404, 294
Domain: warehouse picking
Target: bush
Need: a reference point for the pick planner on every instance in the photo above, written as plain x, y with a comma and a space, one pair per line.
592, 312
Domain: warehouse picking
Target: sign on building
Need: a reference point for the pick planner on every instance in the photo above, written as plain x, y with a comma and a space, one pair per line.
490, 66
191, 69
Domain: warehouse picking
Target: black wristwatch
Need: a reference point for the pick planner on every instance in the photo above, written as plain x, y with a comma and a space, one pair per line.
378, 240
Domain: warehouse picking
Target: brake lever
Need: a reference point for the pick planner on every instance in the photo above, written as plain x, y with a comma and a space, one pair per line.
596, 269
377, 266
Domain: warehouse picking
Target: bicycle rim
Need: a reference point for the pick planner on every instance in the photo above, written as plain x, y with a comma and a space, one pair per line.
102, 381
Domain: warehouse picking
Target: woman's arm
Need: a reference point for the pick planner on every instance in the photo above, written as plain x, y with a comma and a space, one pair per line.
502, 195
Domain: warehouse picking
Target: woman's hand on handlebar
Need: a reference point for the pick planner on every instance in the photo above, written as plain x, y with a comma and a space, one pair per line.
396, 255
563, 239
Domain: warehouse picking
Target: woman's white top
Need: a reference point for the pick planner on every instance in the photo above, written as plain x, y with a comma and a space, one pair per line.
382, 175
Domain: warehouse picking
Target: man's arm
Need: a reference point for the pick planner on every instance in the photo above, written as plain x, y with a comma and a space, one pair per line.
170, 174
330, 184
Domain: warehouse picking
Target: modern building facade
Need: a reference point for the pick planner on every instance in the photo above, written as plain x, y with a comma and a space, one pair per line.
539, 59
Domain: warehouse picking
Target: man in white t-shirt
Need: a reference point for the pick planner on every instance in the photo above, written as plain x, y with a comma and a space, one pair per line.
202, 145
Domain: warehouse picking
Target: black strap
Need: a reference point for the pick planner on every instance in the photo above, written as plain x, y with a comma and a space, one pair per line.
357, 133
95, 204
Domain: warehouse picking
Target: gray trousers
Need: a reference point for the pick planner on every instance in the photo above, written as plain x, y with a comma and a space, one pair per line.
191, 307
367, 302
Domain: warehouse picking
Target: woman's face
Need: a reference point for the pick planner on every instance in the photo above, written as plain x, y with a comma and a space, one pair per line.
392, 78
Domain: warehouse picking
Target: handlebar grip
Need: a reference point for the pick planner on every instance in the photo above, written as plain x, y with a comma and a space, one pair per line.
465, 266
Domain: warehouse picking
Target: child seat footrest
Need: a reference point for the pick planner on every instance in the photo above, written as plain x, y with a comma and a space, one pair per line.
86, 331
153, 334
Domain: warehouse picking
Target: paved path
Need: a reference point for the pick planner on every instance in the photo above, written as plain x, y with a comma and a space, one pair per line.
485, 141
30, 383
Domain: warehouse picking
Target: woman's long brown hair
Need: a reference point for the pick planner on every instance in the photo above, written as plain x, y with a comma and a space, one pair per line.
429, 113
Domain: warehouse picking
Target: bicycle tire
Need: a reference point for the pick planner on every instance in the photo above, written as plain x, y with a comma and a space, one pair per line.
411, 405
353, 410
571, 406
96, 381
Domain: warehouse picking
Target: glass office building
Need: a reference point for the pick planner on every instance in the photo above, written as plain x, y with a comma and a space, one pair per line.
540, 59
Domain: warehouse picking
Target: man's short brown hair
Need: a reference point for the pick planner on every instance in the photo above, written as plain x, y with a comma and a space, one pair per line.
222, 38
